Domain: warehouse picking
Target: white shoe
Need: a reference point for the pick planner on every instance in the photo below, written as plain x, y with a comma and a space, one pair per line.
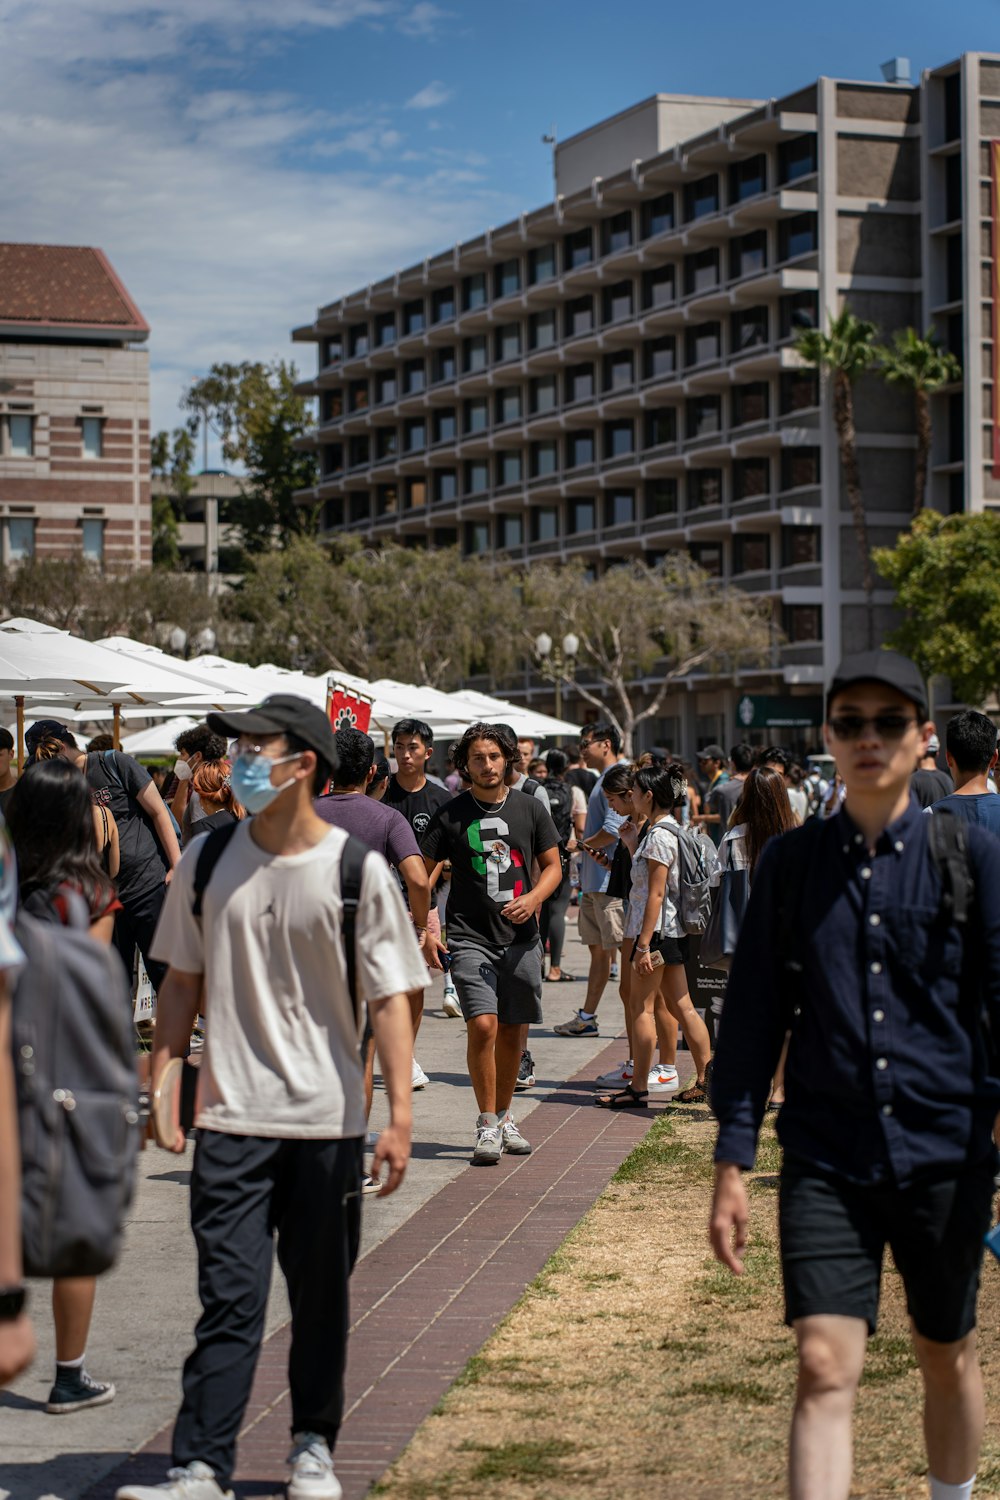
513, 1141
194, 1481
662, 1080
618, 1076
449, 1003
370, 1186
311, 1464
418, 1078
489, 1143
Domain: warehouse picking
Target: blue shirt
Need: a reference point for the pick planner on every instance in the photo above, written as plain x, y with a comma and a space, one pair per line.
885, 1077
980, 807
594, 877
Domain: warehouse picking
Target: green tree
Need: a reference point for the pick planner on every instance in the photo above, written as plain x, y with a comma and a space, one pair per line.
260, 420
923, 366
946, 574
171, 457
845, 353
636, 623
95, 602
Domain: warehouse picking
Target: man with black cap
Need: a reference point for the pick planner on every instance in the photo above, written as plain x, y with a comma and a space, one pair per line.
280, 1110
928, 782
712, 766
852, 943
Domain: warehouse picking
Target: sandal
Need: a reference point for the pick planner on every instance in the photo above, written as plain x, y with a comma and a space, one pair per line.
626, 1098
563, 979
695, 1093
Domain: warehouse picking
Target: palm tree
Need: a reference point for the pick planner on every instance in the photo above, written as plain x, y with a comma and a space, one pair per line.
845, 352
923, 365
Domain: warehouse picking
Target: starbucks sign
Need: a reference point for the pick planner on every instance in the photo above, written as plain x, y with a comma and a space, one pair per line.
755, 712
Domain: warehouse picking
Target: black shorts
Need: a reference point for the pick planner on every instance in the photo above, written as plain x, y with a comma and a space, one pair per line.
674, 950
834, 1233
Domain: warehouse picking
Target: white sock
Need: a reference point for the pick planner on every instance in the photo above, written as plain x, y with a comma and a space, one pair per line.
72, 1364
942, 1491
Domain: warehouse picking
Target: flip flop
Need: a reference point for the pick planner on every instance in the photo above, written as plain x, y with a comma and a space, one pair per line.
563, 979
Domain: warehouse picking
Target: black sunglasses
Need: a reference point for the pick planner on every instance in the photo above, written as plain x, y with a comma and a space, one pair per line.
886, 726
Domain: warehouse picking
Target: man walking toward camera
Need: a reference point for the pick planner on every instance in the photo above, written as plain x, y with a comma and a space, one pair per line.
853, 942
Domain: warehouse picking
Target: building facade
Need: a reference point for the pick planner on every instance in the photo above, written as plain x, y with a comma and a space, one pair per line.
613, 375
74, 409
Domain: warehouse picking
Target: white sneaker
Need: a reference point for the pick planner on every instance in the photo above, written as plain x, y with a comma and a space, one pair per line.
662, 1080
311, 1464
418, 1078
450, 1004
194, 1481
618, 1076
370, 1185
511, 1138
489, 1143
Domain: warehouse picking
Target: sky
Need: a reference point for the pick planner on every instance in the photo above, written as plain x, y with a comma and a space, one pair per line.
242, 162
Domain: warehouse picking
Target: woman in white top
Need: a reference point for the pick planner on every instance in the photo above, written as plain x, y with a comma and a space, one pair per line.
654, 924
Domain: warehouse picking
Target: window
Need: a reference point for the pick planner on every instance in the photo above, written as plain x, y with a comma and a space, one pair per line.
358, 452
414, 379
748, 254
799, 390
704, 488
579, 315
443, 305
543, 330
508, 341
747, 179
333, 350
385, 330
953, 107
507, 278
386, 387
511, 532
797, 158
544, 459
803, 623
544, 394
953, 268
708, 557
445, 426
658, 215
416, 435
582, 516
701, 198
660, 498
704, 416
445, 367
386, 442
545, 525
619, 439
617, 301
416, 494
332, 515
331, 406
799, 546
799, 468
616, 233
474, 354
413, 317
580, 383
751, 478
93, 435
21, 435
20, 538
659, 358
579, 449
333, 459
358, 508
658, 288
474, 292
92, 532
476, 416
358, 395
508, 469
751, 403
748, 329
445, 485
953, 187
477, 537
798, 312
619, 508
578, 249
751, 553
703, 343
701, 272
477, 477
619, 372
509, 404
358, 340
542, 264
661, 426
796, 236
387, 500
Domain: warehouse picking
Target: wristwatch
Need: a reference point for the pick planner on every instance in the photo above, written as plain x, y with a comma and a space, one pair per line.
12, 1302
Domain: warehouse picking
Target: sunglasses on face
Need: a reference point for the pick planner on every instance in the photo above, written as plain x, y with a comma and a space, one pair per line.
886, 726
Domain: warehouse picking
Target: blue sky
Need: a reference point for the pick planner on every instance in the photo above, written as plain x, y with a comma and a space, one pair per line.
242, 161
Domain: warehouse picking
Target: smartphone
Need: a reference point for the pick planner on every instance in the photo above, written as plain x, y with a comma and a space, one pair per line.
992, 1241
445, 958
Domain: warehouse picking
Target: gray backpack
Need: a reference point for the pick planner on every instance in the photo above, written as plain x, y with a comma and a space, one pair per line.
698, 863
77, 1096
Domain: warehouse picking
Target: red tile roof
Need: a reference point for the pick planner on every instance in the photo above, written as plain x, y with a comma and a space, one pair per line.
64, 286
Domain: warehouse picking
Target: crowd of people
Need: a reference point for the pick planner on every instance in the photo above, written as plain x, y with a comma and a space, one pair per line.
292, 894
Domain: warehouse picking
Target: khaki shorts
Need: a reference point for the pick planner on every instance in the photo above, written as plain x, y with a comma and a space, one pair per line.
602, 920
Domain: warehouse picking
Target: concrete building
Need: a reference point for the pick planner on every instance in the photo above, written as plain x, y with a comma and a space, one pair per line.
208, 542
612, 375
74, 409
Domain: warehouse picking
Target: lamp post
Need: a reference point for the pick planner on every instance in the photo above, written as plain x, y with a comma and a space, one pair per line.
556, 662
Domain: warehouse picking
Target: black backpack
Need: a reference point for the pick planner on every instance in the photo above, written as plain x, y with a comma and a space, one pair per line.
77, 1096
561, 808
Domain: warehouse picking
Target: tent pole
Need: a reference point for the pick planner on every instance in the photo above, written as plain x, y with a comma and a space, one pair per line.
19, 706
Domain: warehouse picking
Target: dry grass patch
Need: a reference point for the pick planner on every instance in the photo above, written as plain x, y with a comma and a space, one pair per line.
634, 1361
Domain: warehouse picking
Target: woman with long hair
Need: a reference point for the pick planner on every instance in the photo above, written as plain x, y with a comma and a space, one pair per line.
105, 825
653, 923
50, 818
212, 783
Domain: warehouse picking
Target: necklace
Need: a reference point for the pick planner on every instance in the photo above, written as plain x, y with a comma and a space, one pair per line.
490, 806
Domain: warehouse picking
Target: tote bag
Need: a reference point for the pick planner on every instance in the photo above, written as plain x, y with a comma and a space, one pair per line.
729, 904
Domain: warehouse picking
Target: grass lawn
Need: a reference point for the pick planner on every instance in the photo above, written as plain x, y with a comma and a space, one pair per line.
635, 1363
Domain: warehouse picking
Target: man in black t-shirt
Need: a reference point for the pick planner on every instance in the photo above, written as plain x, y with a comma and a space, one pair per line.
491, 834
929, 784
409, 790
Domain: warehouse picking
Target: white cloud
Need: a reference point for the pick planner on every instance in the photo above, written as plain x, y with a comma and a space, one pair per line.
431, 97
423, 20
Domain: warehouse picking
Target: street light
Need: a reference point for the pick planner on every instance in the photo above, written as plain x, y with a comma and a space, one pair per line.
556, 662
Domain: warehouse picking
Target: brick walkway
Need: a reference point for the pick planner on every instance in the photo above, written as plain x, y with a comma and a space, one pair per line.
428, 1297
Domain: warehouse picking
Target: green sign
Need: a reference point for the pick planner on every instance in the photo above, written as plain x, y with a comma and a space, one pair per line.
754, 712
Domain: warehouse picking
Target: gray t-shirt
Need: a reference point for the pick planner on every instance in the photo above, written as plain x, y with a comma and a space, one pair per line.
722, 800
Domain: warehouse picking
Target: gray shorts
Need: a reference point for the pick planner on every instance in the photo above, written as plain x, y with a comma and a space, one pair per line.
501, 982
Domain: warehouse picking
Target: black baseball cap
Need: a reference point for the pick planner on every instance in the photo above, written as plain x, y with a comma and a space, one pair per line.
712, 752
42, 729
886, 667
282, 713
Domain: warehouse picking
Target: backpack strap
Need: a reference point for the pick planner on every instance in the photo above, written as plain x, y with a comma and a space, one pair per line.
213, 848
948, 840
351, 868
111, 766
530, 786
796, 852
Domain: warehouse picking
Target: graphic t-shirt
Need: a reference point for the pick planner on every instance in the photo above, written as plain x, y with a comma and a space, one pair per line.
417, 807
116, 781
491, 850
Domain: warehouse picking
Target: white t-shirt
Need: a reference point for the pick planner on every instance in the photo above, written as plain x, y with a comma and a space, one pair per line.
281, 1045
659, 842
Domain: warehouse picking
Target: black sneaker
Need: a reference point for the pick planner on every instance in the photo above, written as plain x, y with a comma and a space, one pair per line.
75, 1389
526, 1072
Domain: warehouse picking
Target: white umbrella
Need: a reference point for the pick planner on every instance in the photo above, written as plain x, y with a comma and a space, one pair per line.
159, 738
522, 718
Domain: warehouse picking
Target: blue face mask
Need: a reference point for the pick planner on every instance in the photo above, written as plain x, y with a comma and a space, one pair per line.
251, 780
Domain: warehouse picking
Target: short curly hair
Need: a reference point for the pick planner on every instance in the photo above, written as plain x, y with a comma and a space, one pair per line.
498, 734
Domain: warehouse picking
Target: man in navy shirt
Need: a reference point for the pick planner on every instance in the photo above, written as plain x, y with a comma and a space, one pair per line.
890, 1098
971, 750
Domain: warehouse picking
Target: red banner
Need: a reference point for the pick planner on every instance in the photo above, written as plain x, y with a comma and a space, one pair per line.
349, 709
995, 175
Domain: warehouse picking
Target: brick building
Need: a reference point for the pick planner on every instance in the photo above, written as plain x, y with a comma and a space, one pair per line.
74, 409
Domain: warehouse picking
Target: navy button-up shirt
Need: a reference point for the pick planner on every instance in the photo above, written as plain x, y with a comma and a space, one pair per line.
885, 1078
